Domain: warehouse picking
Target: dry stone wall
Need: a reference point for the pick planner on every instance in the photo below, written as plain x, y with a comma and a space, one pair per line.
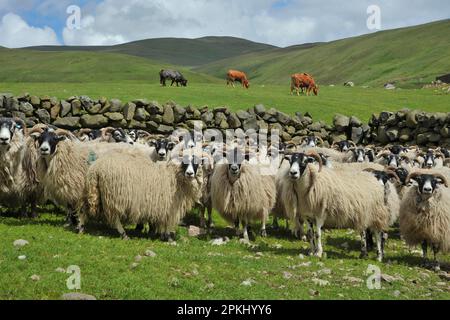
407, 127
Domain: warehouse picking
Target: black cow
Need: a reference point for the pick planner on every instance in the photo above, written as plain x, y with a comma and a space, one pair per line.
175, 76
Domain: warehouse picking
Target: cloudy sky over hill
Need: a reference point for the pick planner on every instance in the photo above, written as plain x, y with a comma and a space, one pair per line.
278, 22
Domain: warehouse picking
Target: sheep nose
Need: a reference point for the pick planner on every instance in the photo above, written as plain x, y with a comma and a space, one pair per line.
44, 149
427, 189
4, 139
189, 173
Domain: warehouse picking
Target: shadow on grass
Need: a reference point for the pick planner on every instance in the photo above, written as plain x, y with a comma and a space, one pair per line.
415, 261
47, 220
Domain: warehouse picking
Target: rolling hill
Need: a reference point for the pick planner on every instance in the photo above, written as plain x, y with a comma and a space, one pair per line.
407, 56
20, 65
177, 51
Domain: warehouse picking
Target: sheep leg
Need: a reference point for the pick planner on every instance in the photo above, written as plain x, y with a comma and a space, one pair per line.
436, 264
299, 230
236, 227
33, 211
311, 236
120, 229
363, 245
201, 210
139, 227
424, 249
369, 240
318, 235
245, 226
380, 246
263, 229
275, 223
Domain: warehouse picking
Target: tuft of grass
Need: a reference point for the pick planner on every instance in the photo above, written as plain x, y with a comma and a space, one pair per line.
195, 269
359, 102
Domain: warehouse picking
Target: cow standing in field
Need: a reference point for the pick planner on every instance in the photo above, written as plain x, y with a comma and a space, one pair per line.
303, 81
234, 75
175, 76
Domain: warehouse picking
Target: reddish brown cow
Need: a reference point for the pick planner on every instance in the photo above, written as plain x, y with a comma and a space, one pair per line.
234, 75
303, 81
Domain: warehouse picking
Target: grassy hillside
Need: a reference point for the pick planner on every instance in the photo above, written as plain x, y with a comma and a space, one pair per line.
186, 52
35, 66
407, 56
331, 100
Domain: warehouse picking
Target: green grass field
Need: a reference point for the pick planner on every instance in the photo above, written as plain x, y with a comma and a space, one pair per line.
277, 267
359, 102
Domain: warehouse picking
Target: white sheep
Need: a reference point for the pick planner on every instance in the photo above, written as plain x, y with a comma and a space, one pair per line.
240, 193
127, 187
424, 213
335, 198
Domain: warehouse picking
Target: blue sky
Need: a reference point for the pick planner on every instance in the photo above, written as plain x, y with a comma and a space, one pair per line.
279, 22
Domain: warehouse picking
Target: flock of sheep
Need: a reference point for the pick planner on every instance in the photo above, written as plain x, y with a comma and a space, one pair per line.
132, 177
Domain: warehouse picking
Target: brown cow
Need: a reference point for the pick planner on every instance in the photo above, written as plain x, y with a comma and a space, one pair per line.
303, 81
234, 75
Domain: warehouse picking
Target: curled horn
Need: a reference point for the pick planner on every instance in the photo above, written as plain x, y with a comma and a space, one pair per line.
412, 176
316, 156
384, 154
351, 142
143, 133
62, 132
22, 123
334, 145
406, 158
84, 131
320, 139
387, 147
393, 174
441, 176
439, 154
105, 131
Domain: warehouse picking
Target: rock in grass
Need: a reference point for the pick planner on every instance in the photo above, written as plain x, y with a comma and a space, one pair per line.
320, 282
248, 282
195, 231
22, 257
77, 296
150, 253
35, 277
138, 258
61, 270
20, 243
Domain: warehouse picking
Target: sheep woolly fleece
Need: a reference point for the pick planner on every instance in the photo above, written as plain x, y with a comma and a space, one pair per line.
348, 199
130, 188
250, 197
426, 220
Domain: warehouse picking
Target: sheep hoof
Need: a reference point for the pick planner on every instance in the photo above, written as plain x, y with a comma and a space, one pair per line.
125, 237
263, 233
363, 255
437, 267
80, 230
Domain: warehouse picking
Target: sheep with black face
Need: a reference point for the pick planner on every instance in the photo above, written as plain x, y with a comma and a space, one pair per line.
127, 187
424, 213
18, 186
241, 193
334, 198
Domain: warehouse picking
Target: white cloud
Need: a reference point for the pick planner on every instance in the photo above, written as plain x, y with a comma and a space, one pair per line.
16, 33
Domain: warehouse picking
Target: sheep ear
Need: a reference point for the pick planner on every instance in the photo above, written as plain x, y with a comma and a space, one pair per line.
310, 160
60, 138
287, 157
171, 145
152, 143
35, 135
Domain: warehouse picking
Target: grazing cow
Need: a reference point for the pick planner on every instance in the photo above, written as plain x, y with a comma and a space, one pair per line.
303, 81
175, 76
234, 75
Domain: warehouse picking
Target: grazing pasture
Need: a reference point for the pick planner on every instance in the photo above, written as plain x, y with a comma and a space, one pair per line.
276, 267
357, 101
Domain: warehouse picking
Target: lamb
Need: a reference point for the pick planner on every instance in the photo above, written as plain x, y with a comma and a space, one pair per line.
342, 199
127, 187
424, 213
241, 193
